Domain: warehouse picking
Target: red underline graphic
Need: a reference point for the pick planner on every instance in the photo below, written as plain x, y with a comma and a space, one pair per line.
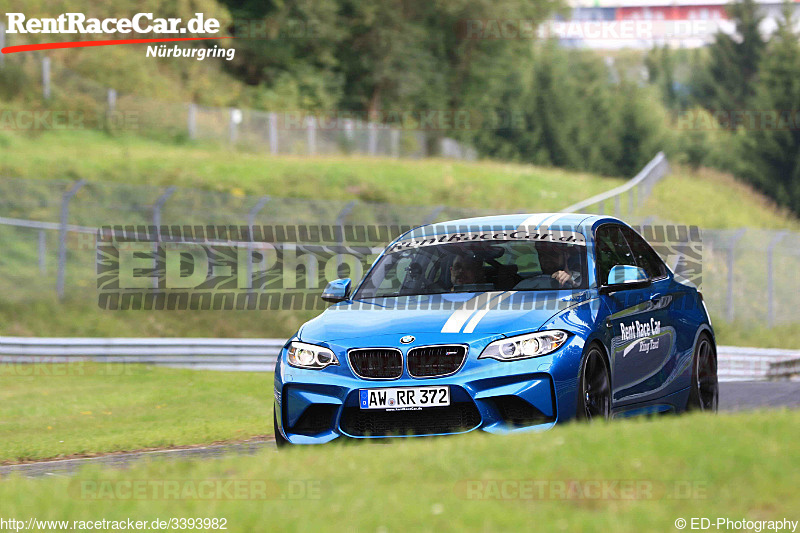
81, 44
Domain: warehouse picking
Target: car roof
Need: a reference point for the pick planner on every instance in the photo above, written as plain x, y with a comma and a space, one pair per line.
579, 222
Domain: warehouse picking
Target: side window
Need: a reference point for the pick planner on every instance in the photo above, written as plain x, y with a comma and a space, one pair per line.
611, 250
645, 257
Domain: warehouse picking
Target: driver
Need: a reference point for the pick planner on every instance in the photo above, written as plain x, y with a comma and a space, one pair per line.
554, 260
466, 270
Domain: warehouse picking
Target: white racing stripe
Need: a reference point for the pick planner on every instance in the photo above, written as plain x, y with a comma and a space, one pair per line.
538, 220
462, 314
482, 313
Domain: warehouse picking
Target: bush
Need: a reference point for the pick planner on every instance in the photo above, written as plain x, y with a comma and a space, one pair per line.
13, 81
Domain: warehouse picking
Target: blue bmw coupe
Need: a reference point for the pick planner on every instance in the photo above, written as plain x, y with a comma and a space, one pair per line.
501, 324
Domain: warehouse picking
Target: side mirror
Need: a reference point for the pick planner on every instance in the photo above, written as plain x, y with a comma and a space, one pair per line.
337, 290
624, 277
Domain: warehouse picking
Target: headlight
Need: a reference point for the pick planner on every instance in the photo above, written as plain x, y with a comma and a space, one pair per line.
524, 346
304, 355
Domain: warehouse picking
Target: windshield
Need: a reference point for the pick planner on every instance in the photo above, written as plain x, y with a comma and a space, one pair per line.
477, 267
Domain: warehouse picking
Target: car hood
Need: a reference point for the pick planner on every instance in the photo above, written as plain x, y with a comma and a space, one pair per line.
463, 313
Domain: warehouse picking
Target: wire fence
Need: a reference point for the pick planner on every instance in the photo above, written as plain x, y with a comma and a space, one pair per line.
48, 229
285, 132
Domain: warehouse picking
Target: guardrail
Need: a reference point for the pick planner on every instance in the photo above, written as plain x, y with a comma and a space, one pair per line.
638, 188
259, 355
736, 363
787, 369
249, 355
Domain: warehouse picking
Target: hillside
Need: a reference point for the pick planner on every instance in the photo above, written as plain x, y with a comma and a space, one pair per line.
720, 202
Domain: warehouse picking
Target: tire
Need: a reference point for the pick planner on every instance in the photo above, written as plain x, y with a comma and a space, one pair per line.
594, 387
280, 440
704, 391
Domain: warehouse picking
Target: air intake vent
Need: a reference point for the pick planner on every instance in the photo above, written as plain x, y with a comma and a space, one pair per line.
376, 363
432, 361
455, 418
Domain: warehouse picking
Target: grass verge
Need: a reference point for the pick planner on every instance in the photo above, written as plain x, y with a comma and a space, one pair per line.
80, 408
713, 199
129, 160
624, 476
75, 318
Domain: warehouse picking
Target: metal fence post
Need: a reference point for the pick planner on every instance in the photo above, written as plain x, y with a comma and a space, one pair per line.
631, 202
432, 215
731, 249
311, 135
601, 208
395, 141
2, 43
616, 206
770, 278
234, 119
46, 78
62, 237
272, 120
251, 219
157, 223
42, 252
191, 121
339, 225
348, 129
372, 146
111, 98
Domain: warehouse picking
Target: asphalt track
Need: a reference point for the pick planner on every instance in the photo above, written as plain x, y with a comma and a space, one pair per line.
734, 396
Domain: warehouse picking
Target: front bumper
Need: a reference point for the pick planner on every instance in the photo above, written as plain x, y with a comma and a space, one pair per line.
315, 406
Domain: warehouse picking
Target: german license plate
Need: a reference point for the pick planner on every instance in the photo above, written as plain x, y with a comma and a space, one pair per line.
404, 398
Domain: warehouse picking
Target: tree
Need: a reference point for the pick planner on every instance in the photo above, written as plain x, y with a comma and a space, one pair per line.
661, 72
727, 81
288, 47
772, 142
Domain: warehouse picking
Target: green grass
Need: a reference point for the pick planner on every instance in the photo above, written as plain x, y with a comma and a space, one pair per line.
82, 408
79, 318
747, 334
717, 200
675, 467
28, 307
485, 185
712, 199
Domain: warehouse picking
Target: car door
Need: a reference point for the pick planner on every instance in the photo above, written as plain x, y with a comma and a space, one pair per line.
666, 300
641, 347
